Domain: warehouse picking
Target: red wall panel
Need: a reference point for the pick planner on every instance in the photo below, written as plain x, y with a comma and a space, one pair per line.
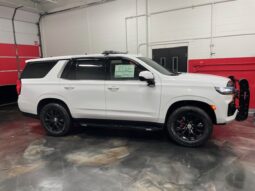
8, 63
8, 78
28, 50
23, 50
238, 67
7, 50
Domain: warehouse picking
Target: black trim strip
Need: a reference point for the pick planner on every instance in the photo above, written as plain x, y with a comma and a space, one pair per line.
120, 124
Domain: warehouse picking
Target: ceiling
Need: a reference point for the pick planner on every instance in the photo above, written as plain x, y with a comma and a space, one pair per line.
43, 6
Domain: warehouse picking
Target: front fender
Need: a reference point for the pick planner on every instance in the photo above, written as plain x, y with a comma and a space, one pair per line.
165, 107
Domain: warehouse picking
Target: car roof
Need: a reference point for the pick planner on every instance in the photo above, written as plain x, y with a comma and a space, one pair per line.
81, 56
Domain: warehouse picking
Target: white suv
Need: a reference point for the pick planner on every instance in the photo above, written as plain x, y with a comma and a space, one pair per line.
113, 89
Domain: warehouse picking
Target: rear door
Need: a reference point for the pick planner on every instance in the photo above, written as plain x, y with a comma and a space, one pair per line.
82, 84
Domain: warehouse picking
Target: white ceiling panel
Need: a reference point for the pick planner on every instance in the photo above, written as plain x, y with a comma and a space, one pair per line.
43, 6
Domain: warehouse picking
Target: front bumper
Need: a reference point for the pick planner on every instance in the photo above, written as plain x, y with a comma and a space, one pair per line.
231, 108
241, 100
234, 108
231, 118
226, 111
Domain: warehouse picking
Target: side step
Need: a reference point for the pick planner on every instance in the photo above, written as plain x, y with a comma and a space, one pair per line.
122, 125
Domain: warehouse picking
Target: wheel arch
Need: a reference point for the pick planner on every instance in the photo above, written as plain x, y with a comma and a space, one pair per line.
202, 105
46, 101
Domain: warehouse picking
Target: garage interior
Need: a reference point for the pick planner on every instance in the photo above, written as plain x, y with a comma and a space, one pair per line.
195, 36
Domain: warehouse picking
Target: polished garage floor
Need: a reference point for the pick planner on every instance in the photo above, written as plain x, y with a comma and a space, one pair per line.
108, 160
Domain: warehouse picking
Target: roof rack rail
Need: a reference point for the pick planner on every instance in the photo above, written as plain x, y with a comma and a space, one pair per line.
107, 52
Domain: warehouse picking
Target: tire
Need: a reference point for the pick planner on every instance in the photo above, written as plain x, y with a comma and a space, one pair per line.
55, 119
189, 126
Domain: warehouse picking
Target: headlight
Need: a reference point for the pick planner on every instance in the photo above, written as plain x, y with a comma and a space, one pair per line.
229, 90
225, 90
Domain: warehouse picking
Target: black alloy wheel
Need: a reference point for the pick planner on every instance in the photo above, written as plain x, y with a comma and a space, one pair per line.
55, 119
189, 126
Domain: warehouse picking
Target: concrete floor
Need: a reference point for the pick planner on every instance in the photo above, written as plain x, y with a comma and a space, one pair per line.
108, 160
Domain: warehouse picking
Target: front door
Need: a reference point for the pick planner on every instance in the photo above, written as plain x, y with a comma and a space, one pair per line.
173, 59
128, 98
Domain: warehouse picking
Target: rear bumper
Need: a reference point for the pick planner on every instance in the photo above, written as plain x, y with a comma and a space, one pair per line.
26, 106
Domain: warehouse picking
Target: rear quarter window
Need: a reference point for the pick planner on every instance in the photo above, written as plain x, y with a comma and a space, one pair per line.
37, 69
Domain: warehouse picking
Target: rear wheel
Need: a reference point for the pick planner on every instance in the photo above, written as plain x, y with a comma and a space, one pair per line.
55, 119
189, 126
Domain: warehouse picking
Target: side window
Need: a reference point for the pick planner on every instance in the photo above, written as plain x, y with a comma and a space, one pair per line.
37, 69
85, 69
122, 69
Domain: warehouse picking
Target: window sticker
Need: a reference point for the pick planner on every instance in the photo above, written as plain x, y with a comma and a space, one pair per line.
124, 71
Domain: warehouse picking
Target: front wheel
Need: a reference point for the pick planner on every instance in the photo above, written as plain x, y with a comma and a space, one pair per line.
55, 119
189, 126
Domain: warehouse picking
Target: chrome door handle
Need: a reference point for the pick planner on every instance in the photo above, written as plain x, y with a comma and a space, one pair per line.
69, 88
113, 88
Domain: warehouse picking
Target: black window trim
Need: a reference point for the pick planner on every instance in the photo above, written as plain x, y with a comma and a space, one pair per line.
72, 62
66, 69
107, 60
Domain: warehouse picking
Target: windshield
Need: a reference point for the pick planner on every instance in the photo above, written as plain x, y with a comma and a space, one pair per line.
155, 65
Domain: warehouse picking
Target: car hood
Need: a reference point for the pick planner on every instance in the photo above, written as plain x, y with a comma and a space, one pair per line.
203, 79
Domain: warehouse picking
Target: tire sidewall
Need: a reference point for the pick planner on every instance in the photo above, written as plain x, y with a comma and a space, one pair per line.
206, 120
61, 109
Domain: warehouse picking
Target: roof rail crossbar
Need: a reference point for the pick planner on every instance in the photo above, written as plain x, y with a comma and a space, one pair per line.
107, 52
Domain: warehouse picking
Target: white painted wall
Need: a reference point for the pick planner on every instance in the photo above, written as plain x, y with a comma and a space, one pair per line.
89, 30
94, 29
25, 25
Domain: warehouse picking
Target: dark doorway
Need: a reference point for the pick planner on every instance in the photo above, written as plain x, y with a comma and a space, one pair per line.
8, 94
173, 59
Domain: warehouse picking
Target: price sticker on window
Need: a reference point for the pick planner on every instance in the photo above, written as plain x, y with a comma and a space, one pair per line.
124, 71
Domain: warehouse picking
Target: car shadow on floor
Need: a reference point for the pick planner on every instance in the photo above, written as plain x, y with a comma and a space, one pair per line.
130, 134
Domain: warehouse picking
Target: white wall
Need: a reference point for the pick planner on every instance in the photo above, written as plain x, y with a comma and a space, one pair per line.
89, 30
102, 27
25, 25
65, 33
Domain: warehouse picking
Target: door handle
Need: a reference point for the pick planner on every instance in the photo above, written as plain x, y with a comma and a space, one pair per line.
113, 88
69, 88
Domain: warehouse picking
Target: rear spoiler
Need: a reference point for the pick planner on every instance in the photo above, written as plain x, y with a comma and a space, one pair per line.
242, 98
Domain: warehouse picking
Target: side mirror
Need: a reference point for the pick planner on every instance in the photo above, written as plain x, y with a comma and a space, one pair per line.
147, 76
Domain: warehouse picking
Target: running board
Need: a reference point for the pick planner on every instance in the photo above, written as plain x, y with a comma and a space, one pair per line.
122, 124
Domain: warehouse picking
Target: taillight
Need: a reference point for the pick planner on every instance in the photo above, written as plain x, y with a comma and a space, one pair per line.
18, 86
